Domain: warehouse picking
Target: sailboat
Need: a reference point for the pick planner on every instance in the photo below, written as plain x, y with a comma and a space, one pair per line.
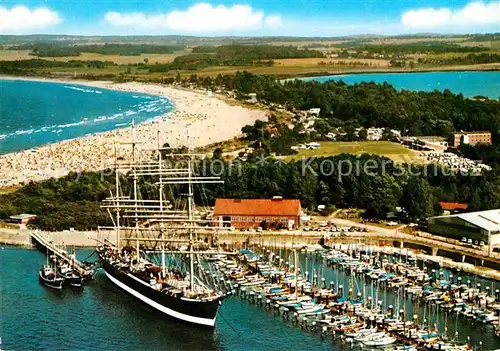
166, 226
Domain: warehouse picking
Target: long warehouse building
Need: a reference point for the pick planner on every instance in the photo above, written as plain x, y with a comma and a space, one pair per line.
481, 226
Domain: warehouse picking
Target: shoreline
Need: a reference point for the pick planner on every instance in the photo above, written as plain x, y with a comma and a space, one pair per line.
88, 239
209, 119
388, 71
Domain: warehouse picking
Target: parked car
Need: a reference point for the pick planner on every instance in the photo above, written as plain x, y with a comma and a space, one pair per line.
392, 223
476, 242
307, 229
469, 241
481, 243
464, 239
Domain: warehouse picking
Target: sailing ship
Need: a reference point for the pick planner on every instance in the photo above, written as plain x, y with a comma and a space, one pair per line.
164, 224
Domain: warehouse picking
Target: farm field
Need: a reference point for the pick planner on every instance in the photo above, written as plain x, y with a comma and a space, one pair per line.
11, 55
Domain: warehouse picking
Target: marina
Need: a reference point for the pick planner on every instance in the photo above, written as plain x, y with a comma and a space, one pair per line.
262, 305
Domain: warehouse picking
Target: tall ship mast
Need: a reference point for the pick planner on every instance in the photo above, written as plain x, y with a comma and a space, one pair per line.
161, 224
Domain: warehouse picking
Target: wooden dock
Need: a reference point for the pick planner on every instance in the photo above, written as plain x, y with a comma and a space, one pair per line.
49, 248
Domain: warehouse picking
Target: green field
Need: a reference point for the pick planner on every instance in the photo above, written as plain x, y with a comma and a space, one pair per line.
394, 151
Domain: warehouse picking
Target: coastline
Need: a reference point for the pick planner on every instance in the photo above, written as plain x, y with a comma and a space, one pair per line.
210, 120
495, 68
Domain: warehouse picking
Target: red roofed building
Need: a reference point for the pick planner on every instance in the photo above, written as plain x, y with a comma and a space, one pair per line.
453, 206
250, 213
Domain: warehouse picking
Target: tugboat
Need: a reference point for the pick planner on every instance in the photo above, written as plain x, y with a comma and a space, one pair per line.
70, 277
48, 277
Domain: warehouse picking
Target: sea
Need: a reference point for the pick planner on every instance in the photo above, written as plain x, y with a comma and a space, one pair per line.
469, 83
101, 317
34, 113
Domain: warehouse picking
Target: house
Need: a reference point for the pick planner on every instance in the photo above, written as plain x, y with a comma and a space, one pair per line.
254, 213
453, 207
253, 98
22, 218
471, 138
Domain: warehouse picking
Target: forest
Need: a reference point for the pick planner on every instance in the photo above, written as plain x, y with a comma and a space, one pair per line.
234, 55
367, 104
73, 201
433, 47
470, 59
33, 67
50, 49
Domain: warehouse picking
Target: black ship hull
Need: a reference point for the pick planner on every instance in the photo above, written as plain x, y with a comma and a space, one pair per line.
56, 283
75, 282
191, 311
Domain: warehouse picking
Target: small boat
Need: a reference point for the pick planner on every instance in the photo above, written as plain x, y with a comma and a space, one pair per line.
380, 341
49, 277
70, 277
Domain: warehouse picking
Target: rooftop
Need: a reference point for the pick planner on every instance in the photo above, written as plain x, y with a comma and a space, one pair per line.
23, 216
487, 220
478, 132
453, 206
257, 207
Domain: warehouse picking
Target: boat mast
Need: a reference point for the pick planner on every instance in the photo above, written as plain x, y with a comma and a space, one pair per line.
117, 195
135, 192
296, 280
190, 215
163, 271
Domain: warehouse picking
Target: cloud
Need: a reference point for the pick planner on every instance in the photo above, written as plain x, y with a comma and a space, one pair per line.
474, 13
21, 18
197, 18
273, 21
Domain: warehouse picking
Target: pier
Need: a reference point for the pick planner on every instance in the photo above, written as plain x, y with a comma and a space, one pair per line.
41, 242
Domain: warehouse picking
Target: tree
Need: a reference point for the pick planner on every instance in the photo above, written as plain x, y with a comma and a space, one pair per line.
362, 134
322, 126
218, 153
418, 199
146, 60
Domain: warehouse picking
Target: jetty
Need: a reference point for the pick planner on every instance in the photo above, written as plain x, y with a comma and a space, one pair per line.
43, 244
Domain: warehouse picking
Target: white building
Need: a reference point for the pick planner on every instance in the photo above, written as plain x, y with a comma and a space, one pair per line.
315, 111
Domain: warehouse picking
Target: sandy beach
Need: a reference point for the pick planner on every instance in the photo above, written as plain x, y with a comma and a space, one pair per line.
209, 119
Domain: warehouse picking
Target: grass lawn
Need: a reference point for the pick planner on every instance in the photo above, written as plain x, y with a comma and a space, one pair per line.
394, 151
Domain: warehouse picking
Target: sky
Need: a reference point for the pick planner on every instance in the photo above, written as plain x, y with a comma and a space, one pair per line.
316, 18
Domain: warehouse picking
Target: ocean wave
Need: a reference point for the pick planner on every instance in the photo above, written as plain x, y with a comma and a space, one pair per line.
26, 131
83, 90
67, 125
